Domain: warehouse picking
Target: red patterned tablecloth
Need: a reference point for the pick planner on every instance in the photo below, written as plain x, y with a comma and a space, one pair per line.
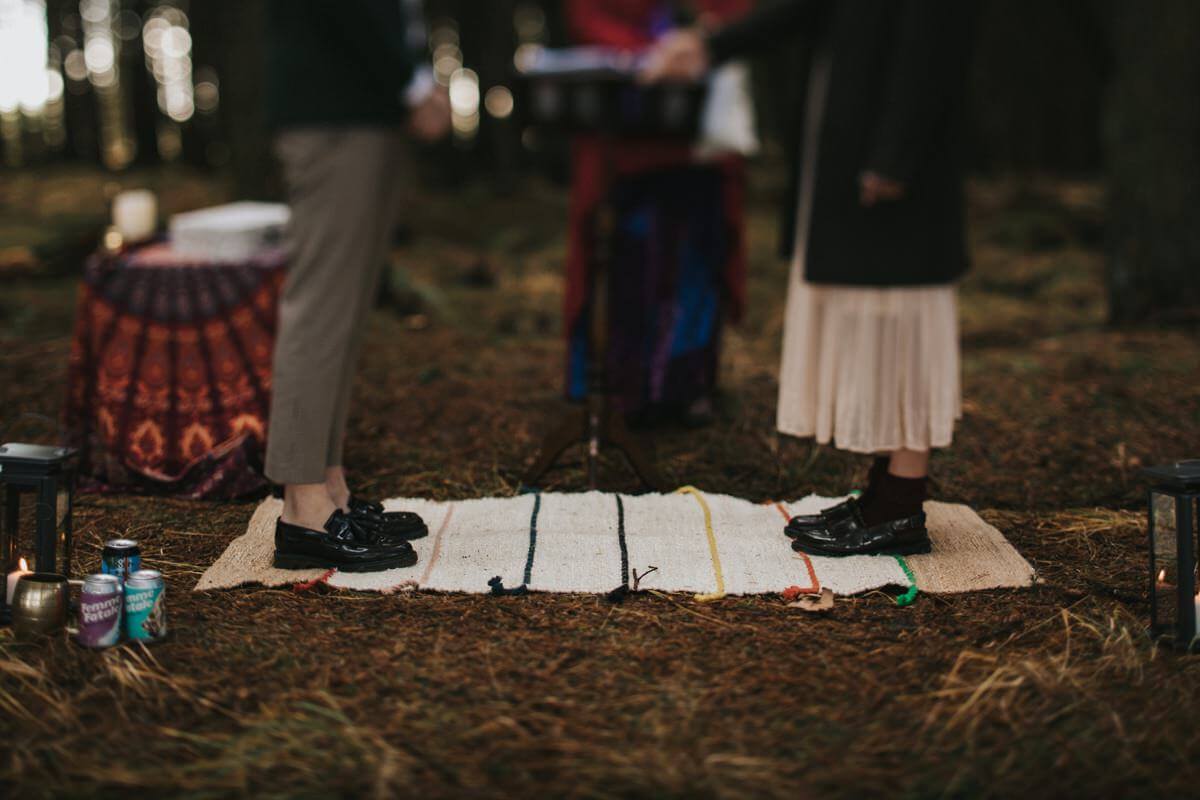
170, 372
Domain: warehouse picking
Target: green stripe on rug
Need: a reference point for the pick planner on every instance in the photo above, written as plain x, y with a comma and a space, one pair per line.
908, 597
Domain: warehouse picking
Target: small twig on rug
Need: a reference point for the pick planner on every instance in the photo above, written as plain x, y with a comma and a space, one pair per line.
637, 579
622, 593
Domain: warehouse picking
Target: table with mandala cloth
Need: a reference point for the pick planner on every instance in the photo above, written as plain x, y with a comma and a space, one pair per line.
170, 372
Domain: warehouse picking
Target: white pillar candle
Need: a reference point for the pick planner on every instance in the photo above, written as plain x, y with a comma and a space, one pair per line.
1197, 617
135, 215
13, 577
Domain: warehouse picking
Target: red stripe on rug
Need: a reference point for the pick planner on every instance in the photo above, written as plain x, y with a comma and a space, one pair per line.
812, 573
437, 545
304, 587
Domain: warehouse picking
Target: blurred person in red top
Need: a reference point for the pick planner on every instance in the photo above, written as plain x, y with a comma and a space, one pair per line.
678, 261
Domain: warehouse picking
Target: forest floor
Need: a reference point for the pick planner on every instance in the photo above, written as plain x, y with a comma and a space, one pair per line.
1050, 691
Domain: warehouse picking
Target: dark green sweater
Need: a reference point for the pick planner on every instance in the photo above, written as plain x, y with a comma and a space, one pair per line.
337, 62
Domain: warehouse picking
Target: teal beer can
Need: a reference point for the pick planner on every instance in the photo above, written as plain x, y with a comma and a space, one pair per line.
145, 606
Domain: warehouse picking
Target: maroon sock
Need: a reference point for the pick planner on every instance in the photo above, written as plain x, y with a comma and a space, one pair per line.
875, 474
895, 498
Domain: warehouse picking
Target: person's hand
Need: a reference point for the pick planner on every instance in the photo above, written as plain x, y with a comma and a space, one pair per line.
429, 120
681, 55
874, 188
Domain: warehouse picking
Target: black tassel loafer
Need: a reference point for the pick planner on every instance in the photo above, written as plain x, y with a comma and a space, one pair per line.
343, 545
851, 536
802, 523
392, 524
403, 525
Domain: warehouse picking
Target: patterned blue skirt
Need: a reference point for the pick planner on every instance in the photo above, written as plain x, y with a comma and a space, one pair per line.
670, 247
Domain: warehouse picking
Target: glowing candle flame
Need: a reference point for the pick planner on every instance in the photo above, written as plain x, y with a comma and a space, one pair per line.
23, 565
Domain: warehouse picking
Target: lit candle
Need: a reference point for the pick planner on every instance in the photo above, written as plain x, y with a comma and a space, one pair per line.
135, 215
13, 577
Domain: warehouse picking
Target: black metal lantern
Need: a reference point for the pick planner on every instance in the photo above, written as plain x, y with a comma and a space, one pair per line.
49, 474
1173, 552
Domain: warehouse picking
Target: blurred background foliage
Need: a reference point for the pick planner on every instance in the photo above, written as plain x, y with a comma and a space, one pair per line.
1069, 87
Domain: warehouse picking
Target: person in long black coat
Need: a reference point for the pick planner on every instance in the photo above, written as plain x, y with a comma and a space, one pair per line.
875, 229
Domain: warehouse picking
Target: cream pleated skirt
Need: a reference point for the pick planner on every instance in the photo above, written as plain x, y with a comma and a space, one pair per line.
867, 369
870, 370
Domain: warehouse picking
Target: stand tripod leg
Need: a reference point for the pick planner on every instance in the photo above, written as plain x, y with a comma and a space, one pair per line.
599, 423
571, 430
617, 434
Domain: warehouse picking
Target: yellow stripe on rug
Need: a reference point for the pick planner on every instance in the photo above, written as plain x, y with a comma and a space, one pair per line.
712, 546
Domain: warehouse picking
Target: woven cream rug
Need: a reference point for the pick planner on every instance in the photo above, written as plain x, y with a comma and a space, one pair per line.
708, 544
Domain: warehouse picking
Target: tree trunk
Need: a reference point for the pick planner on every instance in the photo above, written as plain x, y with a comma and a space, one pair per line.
1152, 142
229, 36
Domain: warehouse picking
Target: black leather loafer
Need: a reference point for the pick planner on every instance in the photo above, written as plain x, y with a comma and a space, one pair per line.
802, 523
343, 545
403, 525
851, 536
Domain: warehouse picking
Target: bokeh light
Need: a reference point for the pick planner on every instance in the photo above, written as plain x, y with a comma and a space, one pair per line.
75, 66
526, 56
54, 84
99, 56
464, 92
446, 55
208, 90
499, 102
24, 48
464, 103
102, 63
168, 49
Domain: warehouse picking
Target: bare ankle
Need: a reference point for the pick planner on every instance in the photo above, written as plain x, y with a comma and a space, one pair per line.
909, 464
307, 505
336, 488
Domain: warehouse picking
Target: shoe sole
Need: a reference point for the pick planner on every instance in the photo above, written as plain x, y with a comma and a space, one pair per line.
289, 561
914, 549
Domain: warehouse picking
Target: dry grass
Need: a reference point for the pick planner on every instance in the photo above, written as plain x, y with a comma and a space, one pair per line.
1053, 691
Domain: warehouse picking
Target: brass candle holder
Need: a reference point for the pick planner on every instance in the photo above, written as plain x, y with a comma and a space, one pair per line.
40, 606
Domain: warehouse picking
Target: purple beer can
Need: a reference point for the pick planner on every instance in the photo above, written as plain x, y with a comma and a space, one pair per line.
100, 606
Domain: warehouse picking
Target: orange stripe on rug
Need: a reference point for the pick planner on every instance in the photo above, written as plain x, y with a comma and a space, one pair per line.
436, 552
812, 573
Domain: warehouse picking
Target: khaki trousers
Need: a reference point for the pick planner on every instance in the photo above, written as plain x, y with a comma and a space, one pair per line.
344, 186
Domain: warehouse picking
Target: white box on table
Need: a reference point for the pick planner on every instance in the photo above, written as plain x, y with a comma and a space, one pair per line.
231, 232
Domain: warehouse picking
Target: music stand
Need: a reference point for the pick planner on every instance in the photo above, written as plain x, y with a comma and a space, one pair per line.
595, 91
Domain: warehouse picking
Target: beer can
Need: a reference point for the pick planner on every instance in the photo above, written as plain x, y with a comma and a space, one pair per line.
145, 606
100, 604
121, 557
